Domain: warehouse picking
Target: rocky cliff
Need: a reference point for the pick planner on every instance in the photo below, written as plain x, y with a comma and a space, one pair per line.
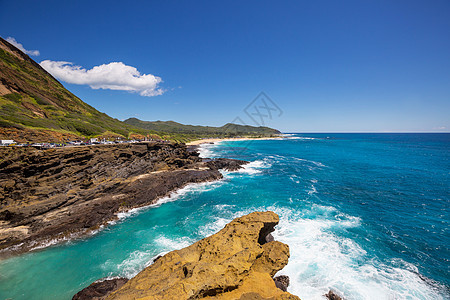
50, 194
238, 262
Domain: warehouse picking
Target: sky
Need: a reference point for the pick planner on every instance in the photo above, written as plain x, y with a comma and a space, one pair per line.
324, 66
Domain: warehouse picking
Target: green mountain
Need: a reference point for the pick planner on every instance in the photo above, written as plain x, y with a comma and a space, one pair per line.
34, 106
228, 130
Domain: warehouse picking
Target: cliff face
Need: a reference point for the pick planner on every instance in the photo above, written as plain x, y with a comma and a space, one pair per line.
238, 262
48, 194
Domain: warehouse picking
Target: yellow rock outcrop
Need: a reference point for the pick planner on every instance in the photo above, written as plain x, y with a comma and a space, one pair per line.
235, 263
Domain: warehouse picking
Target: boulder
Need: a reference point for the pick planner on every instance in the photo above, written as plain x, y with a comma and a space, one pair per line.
100, 289
331, 295
226, 164
282, 282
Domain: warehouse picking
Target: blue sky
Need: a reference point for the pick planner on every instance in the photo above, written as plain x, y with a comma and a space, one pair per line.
328, 65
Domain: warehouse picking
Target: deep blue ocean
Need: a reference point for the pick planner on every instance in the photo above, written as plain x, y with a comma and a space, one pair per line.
366, 215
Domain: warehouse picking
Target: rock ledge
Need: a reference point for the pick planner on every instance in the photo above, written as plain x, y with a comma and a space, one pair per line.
235, 263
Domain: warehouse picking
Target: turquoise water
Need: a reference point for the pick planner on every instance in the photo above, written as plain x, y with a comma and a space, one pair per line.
364, 214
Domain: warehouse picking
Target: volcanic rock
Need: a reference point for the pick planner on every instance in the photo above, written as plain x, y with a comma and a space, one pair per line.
331, 295
99, 290
226, 164
282, 282
231, 264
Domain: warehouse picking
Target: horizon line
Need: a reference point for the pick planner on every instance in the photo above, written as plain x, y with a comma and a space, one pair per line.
367, 132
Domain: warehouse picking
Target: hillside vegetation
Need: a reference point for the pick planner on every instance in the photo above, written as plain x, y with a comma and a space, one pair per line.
193, 131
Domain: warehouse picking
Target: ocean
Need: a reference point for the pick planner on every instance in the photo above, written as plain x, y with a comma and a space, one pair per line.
366, 215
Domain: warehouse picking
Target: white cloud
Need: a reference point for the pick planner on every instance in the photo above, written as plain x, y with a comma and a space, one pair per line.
112, 76
21, 48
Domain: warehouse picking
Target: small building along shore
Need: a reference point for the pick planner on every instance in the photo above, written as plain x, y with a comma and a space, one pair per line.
6, 142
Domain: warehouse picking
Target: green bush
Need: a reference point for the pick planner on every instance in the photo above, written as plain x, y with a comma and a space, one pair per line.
87, 129
6, 124
41, 101
13, 97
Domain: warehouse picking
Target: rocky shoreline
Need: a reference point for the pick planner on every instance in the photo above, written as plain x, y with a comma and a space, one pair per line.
64, 193
49, 195
238, 262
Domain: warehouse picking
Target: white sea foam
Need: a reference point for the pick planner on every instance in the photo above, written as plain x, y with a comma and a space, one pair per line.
134, 263
50, 242
255, 167
207, 150
294, 178
140, 259
107, 278
316, 163
322, 260
300, 138
292, 136
222, 207
252, 168
312, 190
189, 188
172, 244
36, 245
213, 227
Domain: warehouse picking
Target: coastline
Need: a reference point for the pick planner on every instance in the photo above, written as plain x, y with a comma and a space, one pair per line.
125, 213
220, 207
132, 176
216, 140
